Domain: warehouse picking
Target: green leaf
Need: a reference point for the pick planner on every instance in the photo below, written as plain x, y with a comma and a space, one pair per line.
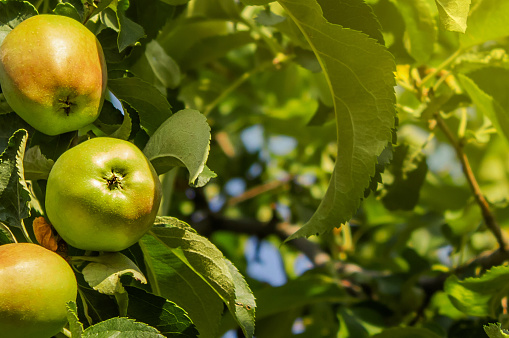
421, 32
37, 166
213, 47
307, 289
174, 280
14, 193
199, 254
125, 129
453, 14
175, 2
152, 107
12, 13
487, 104
359, 73
204, 177
75, 325
405, 332
121, 327
481, 24
244, 306
164, 67
129, 32
166, 316
479, 296
67, 9
103, 272
354, 14
495, 331
182, 140
267, 18
6, 235
256, 2
172, 222
409, 169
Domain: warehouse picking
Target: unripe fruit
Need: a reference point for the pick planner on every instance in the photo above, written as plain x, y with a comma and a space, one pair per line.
35, 286
53, 73
102, 195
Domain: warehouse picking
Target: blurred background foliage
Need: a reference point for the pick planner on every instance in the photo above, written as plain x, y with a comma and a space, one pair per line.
252, 73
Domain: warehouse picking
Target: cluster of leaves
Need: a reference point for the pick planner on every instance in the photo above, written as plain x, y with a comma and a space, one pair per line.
307, 129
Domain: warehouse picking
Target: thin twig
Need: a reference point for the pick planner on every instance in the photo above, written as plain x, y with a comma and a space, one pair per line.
487, 215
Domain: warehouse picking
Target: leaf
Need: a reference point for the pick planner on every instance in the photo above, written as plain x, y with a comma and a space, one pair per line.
182, 140
307, 289
212, 48
354, 14
199, 254
166, 316
44, 234
405, 332
359, 73
125, 129
204, 177
495, 331
482, 27
453, 14
256, 2
75, 325
121, 327
420, 29
14, 193
129, 32
103, 272
67, 9
409, 169
479, 296
244, 306
152, 107
487, 104
175, 2
6, 235
267, 18
12, 13
37, 166
172, 279
164, 67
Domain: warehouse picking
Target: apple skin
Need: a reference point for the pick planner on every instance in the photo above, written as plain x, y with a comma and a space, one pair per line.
35, 286
102, 195
53, 73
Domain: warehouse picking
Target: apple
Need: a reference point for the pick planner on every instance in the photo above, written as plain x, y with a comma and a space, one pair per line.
102, 195
53, 73
35, 286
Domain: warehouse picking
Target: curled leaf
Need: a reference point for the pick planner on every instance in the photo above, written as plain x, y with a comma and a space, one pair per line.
44, 234
103, 272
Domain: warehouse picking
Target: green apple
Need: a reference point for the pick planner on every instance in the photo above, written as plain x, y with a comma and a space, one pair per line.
53, 73
102, 195
35, 286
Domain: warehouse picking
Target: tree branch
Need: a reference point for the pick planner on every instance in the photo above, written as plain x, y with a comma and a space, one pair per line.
487, 215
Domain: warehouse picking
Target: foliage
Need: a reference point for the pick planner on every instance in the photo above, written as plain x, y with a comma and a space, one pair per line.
364, 139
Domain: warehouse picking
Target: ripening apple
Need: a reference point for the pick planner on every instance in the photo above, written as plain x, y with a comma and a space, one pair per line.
102, 195
53, 73
35, 286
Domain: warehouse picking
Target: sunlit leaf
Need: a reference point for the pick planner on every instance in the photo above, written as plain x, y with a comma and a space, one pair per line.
182, 140
479, 296
453, 14
481, 24
360, 76
14, 193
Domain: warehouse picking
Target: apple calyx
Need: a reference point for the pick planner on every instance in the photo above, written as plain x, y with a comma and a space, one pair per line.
66, 104
114, 180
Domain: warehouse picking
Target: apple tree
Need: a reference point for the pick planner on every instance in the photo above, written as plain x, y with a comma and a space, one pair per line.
256, 168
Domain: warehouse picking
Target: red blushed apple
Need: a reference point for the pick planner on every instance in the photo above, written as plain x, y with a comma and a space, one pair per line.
53, 73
